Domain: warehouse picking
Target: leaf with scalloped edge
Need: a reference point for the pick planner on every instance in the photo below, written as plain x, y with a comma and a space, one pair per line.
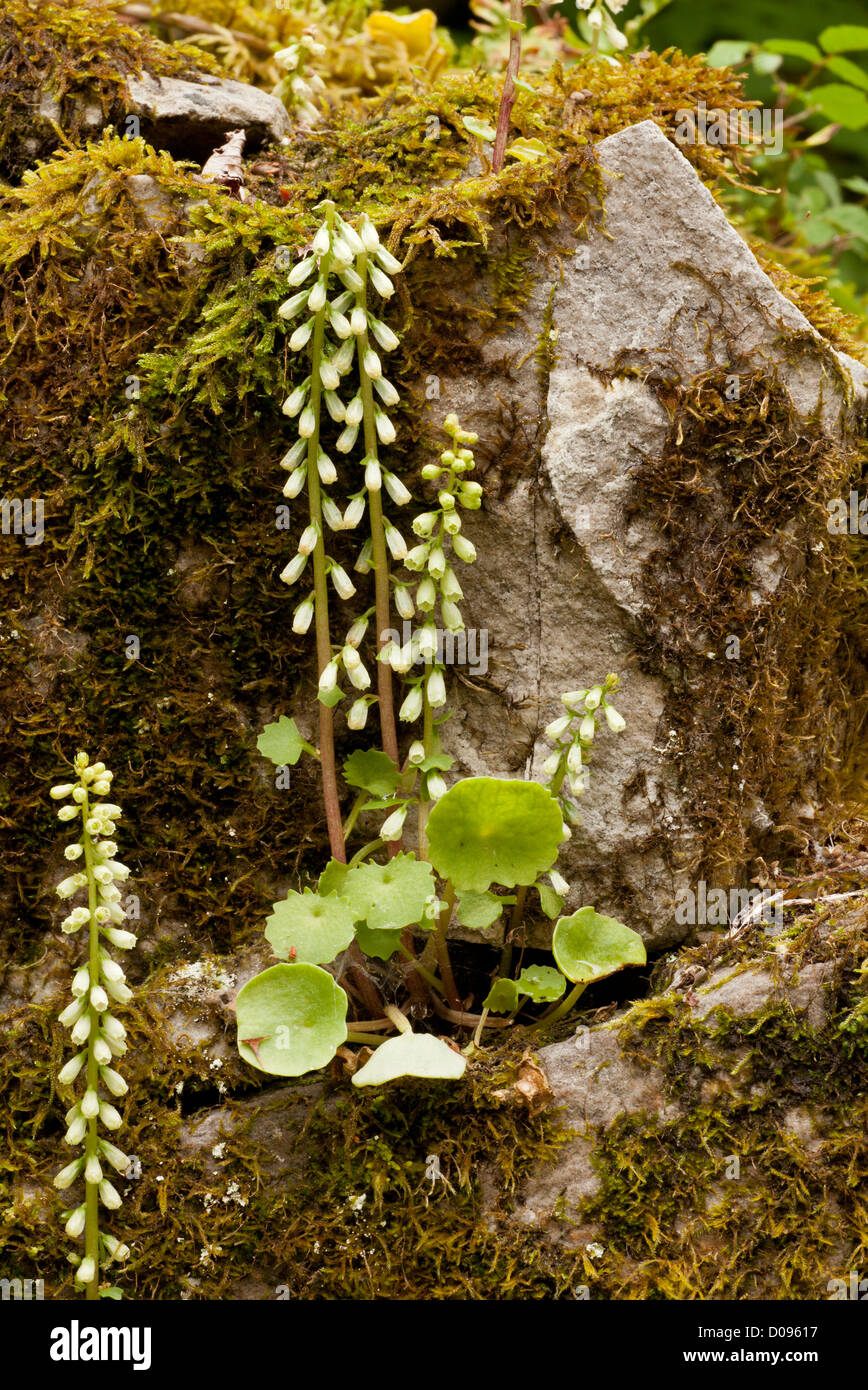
493, 830
372, 770
382, 944
588, 946
391, 896
411, 1054
502, 998
282, 742
311, 928
478, 910
291, 1019
541, 983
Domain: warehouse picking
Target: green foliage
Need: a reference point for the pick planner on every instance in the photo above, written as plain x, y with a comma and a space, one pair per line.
373, 771
540, 983
391, 896
310, 928
478, 910
588, 946
411, 1054
490, 830
291, 1019
282, 743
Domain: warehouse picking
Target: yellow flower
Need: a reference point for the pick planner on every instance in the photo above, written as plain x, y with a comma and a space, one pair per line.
415, 31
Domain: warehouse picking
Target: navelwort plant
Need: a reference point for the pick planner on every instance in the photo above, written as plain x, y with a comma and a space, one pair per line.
95, 1032
482, 836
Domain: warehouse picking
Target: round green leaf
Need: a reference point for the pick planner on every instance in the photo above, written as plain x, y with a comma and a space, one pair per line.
588, 946
411, 1054
502, 998
291, 1019
844, 105
483, 129
542, 983
844, 38
382, 944
478, 910
373, 770
793, 48
492, 830
314, 928
389, 896
282, 743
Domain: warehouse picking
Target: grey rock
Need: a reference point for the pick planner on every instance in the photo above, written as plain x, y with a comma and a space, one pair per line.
194, 117
557, 586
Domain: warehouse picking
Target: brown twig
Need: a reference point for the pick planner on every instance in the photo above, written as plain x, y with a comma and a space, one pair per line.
508, 96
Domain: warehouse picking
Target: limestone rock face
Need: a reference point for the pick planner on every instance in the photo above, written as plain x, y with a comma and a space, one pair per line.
666, 294
195, 116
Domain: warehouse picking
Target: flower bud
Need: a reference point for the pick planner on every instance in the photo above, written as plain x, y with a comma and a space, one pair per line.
344, 586
381, 283
119, 991
615, 721
306, 423
295, 400
92, 1170
101, 1051
61, 790
447, 501
435, 786
368, 234
587, 728
329, 678
559, 883
385, 429
573, 698
293, 457
79, 794
358, 714
395, 541
404, 602
67, 813
76, 1132
75, 1224
335, 407
358, 321
326, 469
108, 1116
551, 764
69, 1071
112, 1028
393, 825
292, 306
81, 1031
372, 365
388, 393
80, 983
101, 787
373, 475
437, 563
124, 940
116, 1250
86, 1271
557, 727
357, 632
291, 572
354, 512
68, 886
396, 489
300, 337
574, 759
346, 440
593, 697
412, 705
451, 615
449, 586
388, 261
72, 1013
309, 538
352, 280
300, 272
73, 851
113, 1082
436, 689
317, 297
329, 375
340, 324
109, 1195
303, 616
113, 1155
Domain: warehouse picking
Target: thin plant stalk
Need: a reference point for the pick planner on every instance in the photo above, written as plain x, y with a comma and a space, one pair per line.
91, 1200
508, 96
331, 797
563, 1008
